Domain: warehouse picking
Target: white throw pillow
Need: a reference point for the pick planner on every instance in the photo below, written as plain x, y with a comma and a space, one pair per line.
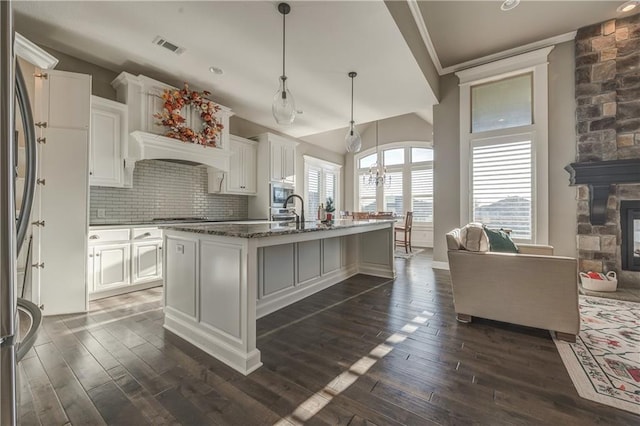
473, 237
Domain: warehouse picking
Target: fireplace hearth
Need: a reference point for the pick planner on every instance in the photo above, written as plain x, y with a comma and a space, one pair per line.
630, 226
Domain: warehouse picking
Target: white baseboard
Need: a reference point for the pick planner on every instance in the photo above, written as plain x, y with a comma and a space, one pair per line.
440, 265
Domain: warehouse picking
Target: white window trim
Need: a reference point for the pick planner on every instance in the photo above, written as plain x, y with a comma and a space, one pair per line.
406, 183
535, 62
324, 165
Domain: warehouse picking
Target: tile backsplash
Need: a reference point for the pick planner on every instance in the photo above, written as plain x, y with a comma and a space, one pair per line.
164, 189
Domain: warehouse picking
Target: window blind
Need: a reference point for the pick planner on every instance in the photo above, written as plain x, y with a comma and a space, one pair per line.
393, 193
313, 195
422, 194
367, 199
502, 186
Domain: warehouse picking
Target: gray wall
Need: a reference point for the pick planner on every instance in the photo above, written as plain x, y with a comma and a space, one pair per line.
446, 165
562, 198
562, 150
164, 189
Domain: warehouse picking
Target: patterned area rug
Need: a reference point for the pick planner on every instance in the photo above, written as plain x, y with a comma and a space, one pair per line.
604, 363
401, 253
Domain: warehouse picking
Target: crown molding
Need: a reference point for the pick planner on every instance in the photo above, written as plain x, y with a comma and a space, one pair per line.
33, 53
537, 45
424, 33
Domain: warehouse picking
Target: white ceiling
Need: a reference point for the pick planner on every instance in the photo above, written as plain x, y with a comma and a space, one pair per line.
325, 40
462, 31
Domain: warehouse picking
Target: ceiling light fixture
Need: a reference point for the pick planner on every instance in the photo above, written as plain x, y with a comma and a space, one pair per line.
352, 140
509, 5
215, 70
627, 6
284, 106
377, 172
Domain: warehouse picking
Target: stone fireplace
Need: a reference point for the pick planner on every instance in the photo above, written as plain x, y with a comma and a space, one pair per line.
608, 131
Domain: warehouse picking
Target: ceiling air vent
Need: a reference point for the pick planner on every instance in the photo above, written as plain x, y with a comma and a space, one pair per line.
161, 41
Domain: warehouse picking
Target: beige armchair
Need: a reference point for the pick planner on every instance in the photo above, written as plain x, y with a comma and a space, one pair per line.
533, 288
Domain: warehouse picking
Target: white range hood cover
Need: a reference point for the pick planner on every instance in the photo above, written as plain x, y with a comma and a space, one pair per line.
149, 146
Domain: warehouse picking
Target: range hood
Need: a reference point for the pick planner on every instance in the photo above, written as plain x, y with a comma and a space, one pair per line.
149, 146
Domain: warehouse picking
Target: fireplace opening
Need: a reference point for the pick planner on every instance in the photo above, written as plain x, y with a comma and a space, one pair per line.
630, 224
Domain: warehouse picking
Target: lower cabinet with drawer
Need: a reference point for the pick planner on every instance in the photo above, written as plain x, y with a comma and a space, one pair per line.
123, 260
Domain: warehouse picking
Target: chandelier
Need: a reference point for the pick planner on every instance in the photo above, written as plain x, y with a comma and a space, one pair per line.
377, 172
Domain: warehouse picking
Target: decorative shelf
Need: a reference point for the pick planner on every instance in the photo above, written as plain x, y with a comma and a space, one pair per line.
599, 176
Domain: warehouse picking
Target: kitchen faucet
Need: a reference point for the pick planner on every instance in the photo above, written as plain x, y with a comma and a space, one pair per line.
298, 218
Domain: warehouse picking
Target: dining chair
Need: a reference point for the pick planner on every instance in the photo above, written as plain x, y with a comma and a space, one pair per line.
360, 215
405, 241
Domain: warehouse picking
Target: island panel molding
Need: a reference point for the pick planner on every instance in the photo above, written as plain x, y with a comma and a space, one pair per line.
220, 278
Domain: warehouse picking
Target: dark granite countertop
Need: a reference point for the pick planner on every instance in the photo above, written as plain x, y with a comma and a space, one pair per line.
164, 224
270, 229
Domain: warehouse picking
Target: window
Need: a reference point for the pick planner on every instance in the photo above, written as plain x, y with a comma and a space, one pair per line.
503, 145
502, 178
322, 181
409, 185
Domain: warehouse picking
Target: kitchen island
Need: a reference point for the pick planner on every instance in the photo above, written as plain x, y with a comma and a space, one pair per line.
219, 278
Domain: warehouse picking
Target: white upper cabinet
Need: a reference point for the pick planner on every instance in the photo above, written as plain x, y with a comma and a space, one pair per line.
283, 159
108, 142
241, 177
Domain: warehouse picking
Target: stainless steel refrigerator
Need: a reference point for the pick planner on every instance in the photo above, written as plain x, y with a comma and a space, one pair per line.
13, 94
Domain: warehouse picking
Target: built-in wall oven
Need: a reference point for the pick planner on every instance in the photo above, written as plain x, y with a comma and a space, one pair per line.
279, 193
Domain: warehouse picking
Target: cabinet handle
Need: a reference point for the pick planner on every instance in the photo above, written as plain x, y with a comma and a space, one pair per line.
91, 255
41, 140
94, 237
97, 254
38, 265
41, 124
38, 223
160, 248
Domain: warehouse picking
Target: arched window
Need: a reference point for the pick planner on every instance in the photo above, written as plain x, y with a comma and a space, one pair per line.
408, 180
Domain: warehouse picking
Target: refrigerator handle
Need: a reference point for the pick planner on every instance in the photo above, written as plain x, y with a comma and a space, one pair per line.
8, 406
31, 153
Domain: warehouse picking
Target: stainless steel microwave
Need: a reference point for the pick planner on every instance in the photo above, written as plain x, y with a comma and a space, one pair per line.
279, 194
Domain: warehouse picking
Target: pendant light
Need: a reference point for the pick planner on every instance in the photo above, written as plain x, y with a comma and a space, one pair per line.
377, 172
283, 106
352, 140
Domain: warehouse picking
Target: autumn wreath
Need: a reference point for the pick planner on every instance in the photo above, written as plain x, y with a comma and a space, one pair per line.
171, 117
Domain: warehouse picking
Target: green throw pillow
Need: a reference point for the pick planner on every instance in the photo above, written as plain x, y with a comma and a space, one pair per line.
500, 241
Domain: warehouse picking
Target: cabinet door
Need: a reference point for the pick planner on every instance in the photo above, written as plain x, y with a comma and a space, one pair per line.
107, 127
236, 166
90, 270
111, 265
276, 161
250, 169
289, 163
147, 261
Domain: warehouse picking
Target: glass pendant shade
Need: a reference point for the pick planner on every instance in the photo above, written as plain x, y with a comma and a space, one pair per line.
284, 105
352, 140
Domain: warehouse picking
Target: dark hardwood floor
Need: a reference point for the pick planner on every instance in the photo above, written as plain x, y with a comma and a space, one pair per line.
367, 351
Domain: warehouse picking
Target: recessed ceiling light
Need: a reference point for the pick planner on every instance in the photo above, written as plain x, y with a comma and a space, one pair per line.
216, 70
627, 6
509, 4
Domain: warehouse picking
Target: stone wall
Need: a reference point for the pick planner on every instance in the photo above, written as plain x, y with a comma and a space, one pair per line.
608, 128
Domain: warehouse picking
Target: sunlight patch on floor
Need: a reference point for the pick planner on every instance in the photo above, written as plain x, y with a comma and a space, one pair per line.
316, 402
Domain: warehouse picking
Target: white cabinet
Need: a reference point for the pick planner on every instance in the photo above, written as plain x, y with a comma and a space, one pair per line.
62, 105
147, 261
121, 260
283, 160
108, 142
281, 168
110, 266
241, 177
